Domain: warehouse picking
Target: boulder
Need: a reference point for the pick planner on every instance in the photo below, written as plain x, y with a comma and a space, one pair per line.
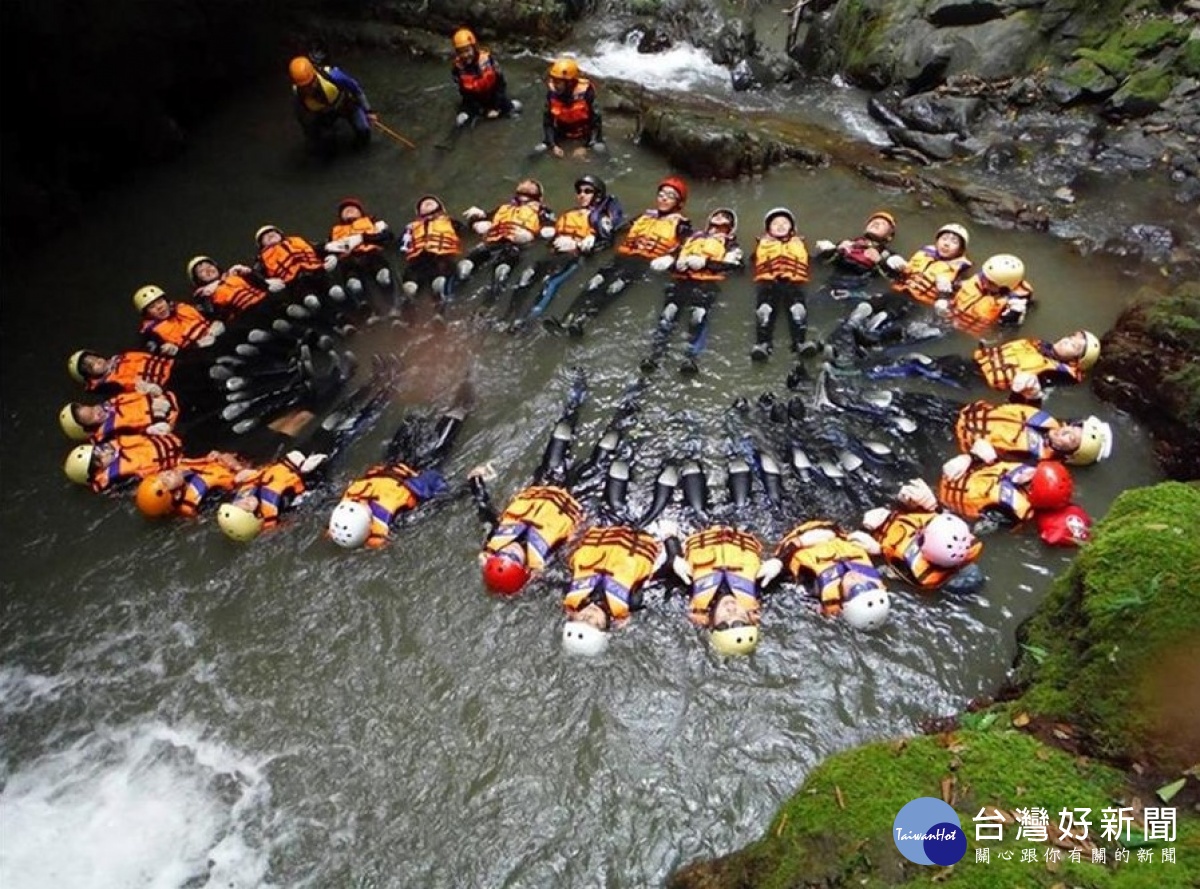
933, 146
995, 50
934, 113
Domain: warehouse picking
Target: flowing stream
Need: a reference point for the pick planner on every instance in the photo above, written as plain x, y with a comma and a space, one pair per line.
178, 711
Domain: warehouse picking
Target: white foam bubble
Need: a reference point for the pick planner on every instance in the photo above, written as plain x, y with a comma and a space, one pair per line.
683, 67
149, 806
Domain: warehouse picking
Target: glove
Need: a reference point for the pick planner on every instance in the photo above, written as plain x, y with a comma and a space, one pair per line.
540, 147
768, 571
484, 471
956, 467
205, 341
147, 388
942, 307
158, 429
663, 528
662, 263
275, 284
473, 213
1027, 385
897, 263
816, 535
1016, 305
734, 256
168, 349
825, 246
599, 148
587, 244
865, 540
244, 476
460, 119
380, 227
522, 236
916, 494
330, 263
944, 284
353, 241
982, 448
682, 569
874, 518
338, 246
311, 462
160, 405
217, 328
564, 244
482, 227
547, 232
295, 458
239, 269
695, 263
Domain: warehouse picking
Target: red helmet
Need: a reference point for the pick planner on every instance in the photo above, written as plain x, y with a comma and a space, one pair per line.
1051, 487
676, 183
504, 575
1070, 526
350, 202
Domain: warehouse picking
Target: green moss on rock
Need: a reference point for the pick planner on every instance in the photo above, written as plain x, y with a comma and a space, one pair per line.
1116, 63
1129, 600
1187, 62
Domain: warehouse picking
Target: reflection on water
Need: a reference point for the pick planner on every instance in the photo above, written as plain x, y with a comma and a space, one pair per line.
330, 718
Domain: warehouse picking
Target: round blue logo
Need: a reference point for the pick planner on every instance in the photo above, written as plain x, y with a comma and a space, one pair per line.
927, 831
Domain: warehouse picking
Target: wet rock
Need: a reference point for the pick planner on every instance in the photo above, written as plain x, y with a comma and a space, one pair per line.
952, 13
1065, 195
751, 74
1142, 93
649, 39
735, 42
995, 50
934, 113
1002, 155
882, 107
1128, 150
936, 147
1151, 241
1188, 193
1082, 80
923, 56
906, 155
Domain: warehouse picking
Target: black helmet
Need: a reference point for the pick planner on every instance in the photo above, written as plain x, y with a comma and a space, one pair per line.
595, 182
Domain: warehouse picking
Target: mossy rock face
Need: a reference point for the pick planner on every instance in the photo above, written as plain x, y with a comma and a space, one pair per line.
1096, 653
1187, 62
1118, 64
837, 829
1142, 92
1150, 367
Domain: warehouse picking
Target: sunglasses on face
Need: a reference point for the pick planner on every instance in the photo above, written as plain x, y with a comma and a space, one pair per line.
731, 625
668, 193
585, 189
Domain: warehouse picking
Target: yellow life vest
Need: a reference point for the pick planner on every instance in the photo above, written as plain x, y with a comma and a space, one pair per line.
722, 556
825, 562
1017, 431
713, 248
900, 541
540, 517
382, 488
924, 269
436, 236
651, 235
776, 260
325, 97
614, 561
999, 364
513, 216
575, 223
984, 487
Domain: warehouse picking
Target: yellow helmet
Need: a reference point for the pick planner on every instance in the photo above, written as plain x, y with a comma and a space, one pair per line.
1091, 350
885, 216
302, 71
71, 426
196, 261
79, 464
263, 230
735, 641
955, 229
146, 295
565, 69
464, 38
73, 367
1095, 443
1004, 270
238, 524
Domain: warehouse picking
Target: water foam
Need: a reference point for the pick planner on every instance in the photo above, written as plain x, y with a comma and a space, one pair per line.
682, 68
147, 806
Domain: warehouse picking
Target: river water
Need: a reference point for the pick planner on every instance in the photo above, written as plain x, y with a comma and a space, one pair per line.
180, 711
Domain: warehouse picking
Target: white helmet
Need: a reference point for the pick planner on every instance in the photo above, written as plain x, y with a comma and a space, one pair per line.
350, 524
582, 638
866, 607
955, 229
946, 541
1095, 443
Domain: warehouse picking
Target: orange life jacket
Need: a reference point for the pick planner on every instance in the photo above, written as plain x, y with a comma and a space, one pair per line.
713, 247
776, 260
290, 258
542, 518
130, 413
435, 235
202, 476
1016, 431
999, 364
130, 367
900, 540
614, 562
985, 487
273, 487
575, 223
974, 308
137, 457
184, 327
825, 563
382, 488
363, 225
572, 114
479, 77
234, 295
512, 216
652, 236
721, 556
924, 269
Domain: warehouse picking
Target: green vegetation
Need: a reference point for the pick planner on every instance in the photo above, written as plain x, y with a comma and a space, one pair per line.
1175, 318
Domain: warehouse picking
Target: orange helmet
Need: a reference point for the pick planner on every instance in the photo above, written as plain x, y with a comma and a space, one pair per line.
302, 71
464, 38
565, 69
154, 499
678, 184
885, 216
504, 575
